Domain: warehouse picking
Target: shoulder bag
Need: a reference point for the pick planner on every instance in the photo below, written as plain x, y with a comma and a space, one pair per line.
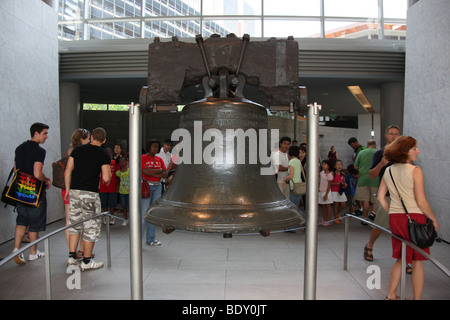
145, 189
300, 187
422, 235
24, 189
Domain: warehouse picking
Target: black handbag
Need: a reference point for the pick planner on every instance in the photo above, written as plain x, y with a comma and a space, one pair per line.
5, 199
422, 235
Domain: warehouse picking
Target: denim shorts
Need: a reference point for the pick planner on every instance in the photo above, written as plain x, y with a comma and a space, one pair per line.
33, 218
108, 199
125, 200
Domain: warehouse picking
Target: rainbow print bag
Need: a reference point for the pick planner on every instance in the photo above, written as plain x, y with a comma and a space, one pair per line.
25, 189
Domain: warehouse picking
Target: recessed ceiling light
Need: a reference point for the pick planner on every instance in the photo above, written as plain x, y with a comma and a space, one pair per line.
359, 95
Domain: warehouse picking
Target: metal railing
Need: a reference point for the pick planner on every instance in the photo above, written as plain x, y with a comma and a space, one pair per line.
46, 238
404, 244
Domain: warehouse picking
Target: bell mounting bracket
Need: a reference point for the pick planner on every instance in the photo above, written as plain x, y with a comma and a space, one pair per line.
223, 66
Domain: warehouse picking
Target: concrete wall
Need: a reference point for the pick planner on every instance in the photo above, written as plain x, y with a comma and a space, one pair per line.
337, 137
365, 128
427, 105
28, 91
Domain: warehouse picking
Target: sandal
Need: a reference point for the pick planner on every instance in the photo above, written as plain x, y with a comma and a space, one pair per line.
409, 269
396, 298
368, 256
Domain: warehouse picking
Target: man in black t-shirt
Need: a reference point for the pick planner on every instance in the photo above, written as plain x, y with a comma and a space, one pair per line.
82, 179
29, 157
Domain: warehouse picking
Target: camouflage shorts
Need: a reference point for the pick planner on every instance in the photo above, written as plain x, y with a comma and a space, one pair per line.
83, 205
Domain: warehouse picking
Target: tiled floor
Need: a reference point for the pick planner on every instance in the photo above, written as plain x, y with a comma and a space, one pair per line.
199, 266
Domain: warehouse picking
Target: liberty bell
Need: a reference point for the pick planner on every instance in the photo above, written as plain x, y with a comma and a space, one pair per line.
224, 181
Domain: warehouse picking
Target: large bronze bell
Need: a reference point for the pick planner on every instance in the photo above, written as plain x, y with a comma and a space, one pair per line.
229, 194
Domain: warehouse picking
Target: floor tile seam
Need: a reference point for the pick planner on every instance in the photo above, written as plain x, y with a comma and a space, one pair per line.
225, 285
357, 282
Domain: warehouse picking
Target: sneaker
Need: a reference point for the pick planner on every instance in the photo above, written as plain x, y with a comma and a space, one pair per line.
112, 220
19, 259
92, 265
155, 243
125, 223
372, 216
36, 256
72, 261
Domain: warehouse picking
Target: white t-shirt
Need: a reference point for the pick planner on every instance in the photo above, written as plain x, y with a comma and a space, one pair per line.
165, 157
280, 158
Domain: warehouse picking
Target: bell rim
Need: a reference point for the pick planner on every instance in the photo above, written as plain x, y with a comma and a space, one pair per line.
287, 216
220, 227
231, 207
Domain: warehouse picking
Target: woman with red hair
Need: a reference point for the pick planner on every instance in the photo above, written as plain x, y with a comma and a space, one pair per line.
409, 181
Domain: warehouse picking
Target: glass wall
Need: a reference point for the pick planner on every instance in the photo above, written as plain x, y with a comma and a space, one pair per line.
124, 19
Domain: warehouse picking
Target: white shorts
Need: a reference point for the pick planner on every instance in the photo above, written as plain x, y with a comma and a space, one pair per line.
329, 199
338, 197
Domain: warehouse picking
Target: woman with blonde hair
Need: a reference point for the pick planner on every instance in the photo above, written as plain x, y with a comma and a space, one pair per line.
408, 180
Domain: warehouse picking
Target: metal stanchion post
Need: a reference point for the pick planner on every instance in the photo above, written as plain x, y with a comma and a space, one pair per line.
312, 206
48, 273
108, 242
135, 203
403, 272
346, 226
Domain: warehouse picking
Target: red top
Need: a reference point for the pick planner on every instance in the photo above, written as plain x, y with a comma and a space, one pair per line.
152, 162
112, 187
337, 178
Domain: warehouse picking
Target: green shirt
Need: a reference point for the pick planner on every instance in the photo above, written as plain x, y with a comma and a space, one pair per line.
296, 164
124, 186
363, 162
